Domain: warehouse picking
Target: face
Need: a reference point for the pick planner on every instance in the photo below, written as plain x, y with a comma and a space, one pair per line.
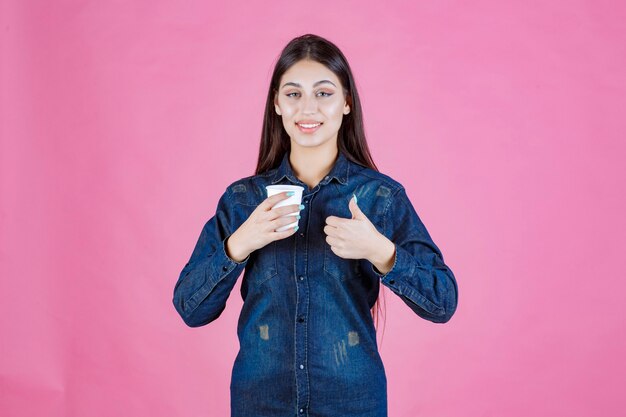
310, 94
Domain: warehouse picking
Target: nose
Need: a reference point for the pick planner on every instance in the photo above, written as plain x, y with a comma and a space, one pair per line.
310, 105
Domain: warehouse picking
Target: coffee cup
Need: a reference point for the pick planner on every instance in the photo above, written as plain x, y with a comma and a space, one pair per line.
296, 198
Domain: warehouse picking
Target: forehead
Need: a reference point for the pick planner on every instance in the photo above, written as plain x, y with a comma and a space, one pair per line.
306, 72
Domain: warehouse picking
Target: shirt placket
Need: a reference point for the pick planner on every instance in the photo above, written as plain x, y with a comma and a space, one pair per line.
302, 307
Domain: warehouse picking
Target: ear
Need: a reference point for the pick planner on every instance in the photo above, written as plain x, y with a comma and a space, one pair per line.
276, 106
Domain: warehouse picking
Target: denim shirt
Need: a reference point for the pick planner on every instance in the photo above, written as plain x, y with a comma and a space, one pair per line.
307, 342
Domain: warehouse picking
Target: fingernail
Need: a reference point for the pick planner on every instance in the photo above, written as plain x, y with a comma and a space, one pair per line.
298, 216
295, 228
354, 195
290, 193
301, 206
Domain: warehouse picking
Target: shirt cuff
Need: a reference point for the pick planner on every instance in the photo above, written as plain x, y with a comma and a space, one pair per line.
393, 267
228, 258
223, 265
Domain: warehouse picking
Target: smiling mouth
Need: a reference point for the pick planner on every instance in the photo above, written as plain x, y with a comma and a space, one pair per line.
309, 125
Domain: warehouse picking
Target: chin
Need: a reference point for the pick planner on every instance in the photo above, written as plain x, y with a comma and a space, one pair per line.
308, 142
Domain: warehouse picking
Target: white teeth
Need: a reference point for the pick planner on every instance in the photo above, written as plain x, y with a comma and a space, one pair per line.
308, 126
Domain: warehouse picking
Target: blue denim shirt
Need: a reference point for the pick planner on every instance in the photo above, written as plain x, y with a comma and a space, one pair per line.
306, 335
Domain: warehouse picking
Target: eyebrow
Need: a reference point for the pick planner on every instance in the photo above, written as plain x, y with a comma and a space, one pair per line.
314, 85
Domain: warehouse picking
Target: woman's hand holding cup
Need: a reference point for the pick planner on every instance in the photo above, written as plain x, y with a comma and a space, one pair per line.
259, 229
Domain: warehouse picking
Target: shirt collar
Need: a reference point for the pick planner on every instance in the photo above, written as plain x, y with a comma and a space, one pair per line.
339, 171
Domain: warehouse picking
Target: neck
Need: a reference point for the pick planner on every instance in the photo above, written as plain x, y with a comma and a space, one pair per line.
311, 165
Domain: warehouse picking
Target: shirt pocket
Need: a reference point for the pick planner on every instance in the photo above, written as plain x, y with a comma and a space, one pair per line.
263, 264
340, 268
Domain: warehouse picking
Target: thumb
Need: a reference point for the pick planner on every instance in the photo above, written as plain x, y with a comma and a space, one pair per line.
354, 208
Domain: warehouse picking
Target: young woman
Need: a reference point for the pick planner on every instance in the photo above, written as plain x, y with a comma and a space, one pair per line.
306, 332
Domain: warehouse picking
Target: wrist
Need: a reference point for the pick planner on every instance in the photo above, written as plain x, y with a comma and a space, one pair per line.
234, 249
384, 255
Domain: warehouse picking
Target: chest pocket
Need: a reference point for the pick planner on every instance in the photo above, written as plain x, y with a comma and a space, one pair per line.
338, 267
262, 264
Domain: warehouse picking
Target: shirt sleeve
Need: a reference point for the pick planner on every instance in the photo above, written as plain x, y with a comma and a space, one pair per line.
419, 275
206, 281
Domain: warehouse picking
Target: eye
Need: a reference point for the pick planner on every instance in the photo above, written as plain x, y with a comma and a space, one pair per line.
321, 92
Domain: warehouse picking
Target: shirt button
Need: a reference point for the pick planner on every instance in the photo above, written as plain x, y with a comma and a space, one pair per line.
301, 278
392, 281
301, 234
300, 319
224, 268
301, 411
301, 366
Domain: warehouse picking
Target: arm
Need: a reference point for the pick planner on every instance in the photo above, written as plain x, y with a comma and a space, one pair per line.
206, 281
416, 272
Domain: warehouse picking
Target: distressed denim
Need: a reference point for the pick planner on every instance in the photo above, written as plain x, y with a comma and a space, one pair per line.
307, 342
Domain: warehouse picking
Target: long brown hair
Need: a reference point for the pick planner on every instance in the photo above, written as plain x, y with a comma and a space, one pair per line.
275, 141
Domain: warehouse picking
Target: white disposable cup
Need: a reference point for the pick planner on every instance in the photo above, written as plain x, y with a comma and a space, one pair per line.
296, 198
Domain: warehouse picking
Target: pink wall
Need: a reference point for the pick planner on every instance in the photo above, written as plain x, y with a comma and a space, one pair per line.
122, 122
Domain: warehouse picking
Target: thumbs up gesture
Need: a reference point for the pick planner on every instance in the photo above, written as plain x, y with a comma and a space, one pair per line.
355, 238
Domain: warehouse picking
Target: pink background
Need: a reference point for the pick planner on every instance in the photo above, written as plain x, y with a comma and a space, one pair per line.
122, 122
